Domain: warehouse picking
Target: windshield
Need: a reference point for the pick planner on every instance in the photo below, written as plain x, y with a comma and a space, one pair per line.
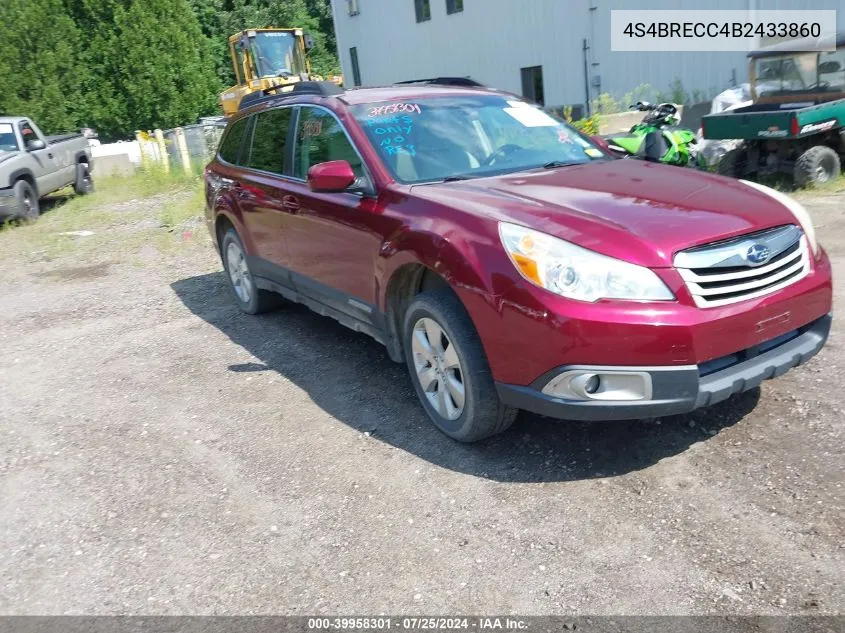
8, 142
437, 138
276, 54
800, 73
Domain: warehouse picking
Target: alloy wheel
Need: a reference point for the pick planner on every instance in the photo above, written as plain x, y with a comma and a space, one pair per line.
438, 368
239, 272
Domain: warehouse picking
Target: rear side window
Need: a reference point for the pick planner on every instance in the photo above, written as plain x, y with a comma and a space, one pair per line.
320, 138
231, 145
268, 140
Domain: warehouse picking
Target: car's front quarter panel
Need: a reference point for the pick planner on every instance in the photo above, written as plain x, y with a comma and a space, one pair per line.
462, 249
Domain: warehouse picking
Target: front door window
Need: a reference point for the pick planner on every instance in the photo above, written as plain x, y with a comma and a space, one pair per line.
321, 138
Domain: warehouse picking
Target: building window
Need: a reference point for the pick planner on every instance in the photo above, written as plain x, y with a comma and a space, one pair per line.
454, 6
532, 84
352, 7
356, 71
423, 9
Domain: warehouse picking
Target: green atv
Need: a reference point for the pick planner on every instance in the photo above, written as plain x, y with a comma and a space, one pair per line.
657, 137
796, 123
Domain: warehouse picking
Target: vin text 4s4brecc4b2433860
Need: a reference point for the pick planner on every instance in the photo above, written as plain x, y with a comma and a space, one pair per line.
508, 260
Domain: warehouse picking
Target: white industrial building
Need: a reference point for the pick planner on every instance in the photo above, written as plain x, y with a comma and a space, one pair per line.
556, 51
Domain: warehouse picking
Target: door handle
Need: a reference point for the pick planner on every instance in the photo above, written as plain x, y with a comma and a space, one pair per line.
49, 154
290, 203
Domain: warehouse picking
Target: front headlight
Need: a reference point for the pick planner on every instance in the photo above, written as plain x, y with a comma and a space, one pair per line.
575, 272
795, 207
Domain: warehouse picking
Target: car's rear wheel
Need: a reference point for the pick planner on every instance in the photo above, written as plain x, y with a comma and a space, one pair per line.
84, 183
248, 296
26, 201
449, 370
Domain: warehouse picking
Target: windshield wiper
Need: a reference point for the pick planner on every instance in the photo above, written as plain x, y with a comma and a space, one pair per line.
455, 178
558, 163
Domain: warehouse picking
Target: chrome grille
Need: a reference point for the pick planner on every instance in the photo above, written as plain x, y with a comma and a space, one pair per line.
746, 267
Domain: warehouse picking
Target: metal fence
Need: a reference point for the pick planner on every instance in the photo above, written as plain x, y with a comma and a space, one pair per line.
187, 148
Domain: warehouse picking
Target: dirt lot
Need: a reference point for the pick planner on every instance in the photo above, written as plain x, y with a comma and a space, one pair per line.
160, 452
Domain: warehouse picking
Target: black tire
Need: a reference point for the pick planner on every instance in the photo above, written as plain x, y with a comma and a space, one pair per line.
483, 413
253, 300
26, 201
84, 183
733, 163
817, 165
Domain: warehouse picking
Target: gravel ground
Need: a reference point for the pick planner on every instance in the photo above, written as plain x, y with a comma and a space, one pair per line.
161, 453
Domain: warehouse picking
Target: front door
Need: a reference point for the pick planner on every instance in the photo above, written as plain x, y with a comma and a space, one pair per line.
47, 174
334, 238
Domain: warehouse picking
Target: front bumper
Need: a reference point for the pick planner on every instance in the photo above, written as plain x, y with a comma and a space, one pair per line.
676, 390
8, 203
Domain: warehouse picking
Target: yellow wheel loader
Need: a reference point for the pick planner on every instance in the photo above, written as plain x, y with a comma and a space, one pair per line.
264, 59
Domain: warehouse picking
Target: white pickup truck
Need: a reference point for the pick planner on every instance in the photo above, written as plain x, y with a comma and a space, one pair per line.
33, 165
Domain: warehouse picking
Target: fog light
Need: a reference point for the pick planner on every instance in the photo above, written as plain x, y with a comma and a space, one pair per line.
600, 383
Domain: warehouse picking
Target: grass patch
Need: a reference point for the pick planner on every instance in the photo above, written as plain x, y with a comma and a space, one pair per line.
785, 183
122, 214
837, 185
177, 213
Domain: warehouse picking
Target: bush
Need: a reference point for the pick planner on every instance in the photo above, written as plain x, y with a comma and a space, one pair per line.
589, 125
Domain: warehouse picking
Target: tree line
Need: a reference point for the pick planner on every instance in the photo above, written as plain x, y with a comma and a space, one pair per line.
125, 65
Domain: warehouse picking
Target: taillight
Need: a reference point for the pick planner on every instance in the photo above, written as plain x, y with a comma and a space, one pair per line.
793, 126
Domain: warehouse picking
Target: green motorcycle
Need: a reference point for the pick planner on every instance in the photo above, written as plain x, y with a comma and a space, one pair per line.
657, 137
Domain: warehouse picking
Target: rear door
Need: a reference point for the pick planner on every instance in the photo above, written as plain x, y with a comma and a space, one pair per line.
334, 238
262, 189
228, 170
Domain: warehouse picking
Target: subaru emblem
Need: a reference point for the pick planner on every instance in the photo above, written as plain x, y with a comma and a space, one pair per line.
757, 255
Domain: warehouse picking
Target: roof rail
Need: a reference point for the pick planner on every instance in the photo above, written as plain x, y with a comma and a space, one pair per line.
465, 82
273, 93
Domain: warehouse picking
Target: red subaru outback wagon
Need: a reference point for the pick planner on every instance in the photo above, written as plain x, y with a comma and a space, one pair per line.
508, 260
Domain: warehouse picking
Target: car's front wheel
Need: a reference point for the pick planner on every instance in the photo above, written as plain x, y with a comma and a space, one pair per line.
26, 201
449, 370
248, 296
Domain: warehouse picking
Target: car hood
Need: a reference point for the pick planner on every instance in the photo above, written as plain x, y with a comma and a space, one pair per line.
633, 210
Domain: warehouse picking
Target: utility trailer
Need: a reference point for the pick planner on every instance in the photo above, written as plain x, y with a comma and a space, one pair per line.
796, 124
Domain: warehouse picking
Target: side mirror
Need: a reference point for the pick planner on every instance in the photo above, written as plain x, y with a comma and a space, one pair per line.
331, 177
35, 145
308, 41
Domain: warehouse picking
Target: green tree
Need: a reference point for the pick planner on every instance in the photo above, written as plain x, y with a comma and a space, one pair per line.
162, 64
324, 56
211, 17
41, 71
150, 64
123, 65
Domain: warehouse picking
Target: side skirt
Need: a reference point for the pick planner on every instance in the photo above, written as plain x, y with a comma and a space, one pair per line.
277, 279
